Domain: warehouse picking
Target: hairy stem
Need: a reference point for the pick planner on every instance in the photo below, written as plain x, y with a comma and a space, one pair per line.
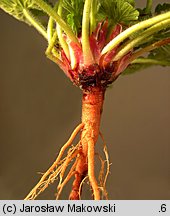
87, 54
52, 54
60, 33
135, 28
51, 12
151, 61
52, 43
50, 26
50, 29
148, 6
93, 16
149, 48
141, 38
35, 23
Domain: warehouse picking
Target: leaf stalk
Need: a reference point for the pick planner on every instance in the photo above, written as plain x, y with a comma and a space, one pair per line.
141, 38
50, 29
151, 61
135, 28
149, 48
35, 23
60, 33
93, 16
51, 12
148, 6
87, 54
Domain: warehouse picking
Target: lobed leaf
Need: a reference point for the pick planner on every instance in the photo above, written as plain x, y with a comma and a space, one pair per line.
161, 53
15, 8
115, 11
160, 56
118, 11
162, 8
133, 68
74, 13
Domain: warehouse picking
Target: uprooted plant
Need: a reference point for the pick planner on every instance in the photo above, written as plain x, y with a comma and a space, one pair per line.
93, 42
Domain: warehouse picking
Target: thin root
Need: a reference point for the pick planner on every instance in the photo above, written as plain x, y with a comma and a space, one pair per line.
103, 181
68, 177
91, 172
71, 153
69, 158
81, 185
44, 181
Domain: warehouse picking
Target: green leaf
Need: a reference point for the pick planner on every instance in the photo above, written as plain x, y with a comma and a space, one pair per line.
143, 15
133, 68
118, 11
160, 35
37, 12
162, 8
15, 8
74, 13
161, 53
143, 63
159, 56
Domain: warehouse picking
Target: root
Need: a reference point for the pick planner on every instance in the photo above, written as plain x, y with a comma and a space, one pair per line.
51, 174
70, 174
80, 157
74, 152
101, 173
78, 169
81, 171
81, 185
101, 179
91, 173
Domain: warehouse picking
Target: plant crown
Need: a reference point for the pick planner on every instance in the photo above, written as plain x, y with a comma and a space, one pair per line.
73, 27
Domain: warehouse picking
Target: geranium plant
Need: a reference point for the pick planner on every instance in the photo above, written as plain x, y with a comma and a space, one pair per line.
93, 42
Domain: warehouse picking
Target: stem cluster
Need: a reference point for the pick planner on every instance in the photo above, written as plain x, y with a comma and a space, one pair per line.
57, 27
